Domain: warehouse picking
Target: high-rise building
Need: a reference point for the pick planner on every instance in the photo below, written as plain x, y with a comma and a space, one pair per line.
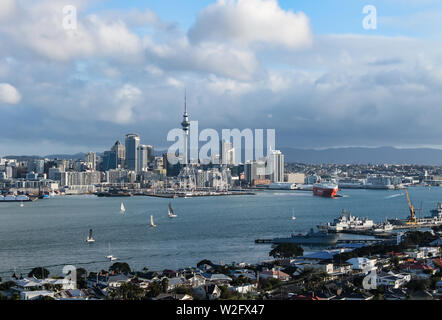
254, 170
150, 154
132, 143
276, 166
110, 161
120, 151
91, 158
227, 153
143, 157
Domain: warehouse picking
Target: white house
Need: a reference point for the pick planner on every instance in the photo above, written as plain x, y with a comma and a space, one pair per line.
391, 280
176, 282
244, 289
33, 295
117, 280
362, 264
196, 281
217, 278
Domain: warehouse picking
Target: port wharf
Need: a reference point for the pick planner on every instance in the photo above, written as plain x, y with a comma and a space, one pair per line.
172, 195
270, 241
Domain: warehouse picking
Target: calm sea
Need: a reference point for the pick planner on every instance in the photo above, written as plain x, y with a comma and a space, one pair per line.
51, 233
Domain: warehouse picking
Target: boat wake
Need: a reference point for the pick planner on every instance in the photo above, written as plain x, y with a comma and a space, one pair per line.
394, 196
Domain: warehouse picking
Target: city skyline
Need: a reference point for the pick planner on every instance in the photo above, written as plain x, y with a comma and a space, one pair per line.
125, 68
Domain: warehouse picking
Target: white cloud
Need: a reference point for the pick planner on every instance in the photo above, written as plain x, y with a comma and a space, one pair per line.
39, 27
9, 94
251, 21
126, 98
7, 9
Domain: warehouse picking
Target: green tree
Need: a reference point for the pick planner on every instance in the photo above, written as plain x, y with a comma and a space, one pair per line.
165, 285
39, 273
205, 261
7, 285
418, 285
286, 250
120, 267
154, 290
129, 291
81, 278
183, 290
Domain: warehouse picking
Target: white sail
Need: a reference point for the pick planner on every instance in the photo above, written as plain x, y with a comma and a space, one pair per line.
152, 224
110, 256
171, 213
90, 237
123, 209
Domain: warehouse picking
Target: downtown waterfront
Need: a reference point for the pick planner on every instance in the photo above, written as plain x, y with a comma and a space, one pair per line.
52, 232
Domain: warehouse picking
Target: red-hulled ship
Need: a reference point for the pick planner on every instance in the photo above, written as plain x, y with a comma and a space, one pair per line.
327, 190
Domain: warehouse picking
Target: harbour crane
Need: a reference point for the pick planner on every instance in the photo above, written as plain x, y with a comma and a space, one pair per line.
412, 219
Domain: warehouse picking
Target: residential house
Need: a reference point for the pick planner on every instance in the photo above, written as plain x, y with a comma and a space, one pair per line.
364, 265
246, 273
275, 274
355, 296
217, 278
391, 280
116, 281
244, 289
176, 282
36, 295
74, 294
439, 286
213, 292
196, 280
173, 296
418, 269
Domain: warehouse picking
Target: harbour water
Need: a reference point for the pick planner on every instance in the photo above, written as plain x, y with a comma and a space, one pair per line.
52, 232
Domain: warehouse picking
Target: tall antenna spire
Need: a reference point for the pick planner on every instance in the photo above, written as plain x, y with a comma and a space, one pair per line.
185, 100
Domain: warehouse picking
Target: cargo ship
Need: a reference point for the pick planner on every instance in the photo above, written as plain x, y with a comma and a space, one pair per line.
327, 190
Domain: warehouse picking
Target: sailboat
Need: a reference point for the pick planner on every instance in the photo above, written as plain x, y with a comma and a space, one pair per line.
152, 225
110, 257
171, 213
21, 204
293, 217
122, 208
90, 238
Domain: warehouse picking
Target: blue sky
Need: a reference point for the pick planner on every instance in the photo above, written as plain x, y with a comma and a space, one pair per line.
304, 68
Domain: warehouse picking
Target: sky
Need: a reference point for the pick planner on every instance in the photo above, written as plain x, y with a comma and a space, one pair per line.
308, 69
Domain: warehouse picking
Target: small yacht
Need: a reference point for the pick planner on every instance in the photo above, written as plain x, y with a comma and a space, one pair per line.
293, 216
171, 213
21, 205
90, 238
122, 208
152, 224
110, 257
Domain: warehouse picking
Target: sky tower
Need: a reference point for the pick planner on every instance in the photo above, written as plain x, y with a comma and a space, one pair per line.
186, 177
185, 124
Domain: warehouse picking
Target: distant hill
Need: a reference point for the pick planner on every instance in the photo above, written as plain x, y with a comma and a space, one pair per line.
51, 156
390, 155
